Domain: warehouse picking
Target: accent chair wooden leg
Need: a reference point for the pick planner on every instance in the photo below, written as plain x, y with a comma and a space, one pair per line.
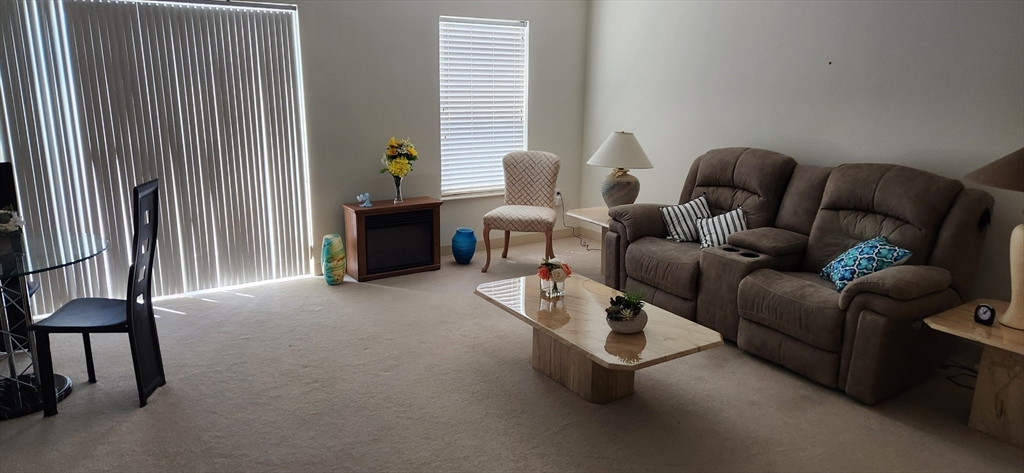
504, 252
550, 248
88, 358
487, 247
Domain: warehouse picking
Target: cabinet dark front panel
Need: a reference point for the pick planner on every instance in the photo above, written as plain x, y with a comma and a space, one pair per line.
399, 241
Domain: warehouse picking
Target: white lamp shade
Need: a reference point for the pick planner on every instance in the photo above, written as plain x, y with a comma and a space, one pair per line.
621, 150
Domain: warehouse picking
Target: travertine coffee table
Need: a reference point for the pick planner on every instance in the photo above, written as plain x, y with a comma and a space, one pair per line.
573, 345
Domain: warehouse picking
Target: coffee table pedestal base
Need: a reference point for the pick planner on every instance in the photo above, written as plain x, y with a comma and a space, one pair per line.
575, 371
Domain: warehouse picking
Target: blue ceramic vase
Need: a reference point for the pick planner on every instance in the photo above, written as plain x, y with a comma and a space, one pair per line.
463, 245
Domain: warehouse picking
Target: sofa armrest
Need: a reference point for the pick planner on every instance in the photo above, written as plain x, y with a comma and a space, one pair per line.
770, 241
902, 283
639, 220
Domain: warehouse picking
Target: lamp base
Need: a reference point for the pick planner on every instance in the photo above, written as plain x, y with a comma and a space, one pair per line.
620, 188
1014, 316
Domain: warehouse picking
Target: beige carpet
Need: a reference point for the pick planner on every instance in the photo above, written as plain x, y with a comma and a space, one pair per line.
418, 374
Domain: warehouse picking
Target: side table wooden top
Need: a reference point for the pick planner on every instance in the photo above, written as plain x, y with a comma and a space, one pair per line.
959, 321
388, 206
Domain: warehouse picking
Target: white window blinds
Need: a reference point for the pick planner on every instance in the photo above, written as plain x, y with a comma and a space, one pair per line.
101, 95
484, 75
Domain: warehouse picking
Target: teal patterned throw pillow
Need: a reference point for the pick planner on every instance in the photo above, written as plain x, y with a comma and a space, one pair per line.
863, 259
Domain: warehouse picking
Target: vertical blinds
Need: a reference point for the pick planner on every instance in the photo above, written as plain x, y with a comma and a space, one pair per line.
484, 71
101, 95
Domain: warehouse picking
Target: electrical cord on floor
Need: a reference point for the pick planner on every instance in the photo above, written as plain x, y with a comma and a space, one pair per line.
583, 242
952, 364
953, 380
971, 374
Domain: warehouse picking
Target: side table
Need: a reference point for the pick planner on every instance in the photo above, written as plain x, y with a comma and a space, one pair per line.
597, 216
998, 407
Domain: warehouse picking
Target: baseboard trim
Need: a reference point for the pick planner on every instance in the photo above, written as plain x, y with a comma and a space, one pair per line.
591, 235
517, 239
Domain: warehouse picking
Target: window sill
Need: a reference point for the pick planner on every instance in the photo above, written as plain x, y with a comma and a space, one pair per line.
472, 196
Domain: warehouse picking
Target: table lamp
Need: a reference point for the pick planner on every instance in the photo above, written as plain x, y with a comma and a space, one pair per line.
1008, 173
622, 152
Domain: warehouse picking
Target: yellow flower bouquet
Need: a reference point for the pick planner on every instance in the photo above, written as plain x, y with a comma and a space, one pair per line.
398, 157
397, 161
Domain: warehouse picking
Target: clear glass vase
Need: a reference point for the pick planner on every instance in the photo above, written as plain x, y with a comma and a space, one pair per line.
551, 289
398, 190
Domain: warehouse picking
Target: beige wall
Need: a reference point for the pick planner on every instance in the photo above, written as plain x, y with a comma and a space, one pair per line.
937, 86
371, 72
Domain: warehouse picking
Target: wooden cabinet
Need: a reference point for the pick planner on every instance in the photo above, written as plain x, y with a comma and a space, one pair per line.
391, 239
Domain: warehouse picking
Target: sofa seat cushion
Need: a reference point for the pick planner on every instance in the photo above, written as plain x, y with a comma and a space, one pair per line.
801, 305
666, 265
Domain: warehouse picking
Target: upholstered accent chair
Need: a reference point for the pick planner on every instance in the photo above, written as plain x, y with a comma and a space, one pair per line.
530, 178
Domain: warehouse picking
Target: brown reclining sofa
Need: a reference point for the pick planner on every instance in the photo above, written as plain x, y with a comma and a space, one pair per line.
763, 291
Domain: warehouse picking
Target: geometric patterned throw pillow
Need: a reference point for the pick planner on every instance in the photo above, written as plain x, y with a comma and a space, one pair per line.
863, 259
681, 220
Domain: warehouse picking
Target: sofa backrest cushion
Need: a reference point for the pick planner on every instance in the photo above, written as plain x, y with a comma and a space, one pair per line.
754, 179
862, 201
802, 198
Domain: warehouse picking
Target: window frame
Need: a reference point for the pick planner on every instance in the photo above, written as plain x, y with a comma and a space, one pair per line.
491, 191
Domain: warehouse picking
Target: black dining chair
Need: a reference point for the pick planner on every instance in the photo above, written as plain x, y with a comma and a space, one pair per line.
133, 316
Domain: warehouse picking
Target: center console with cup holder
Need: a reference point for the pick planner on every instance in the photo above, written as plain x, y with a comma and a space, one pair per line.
722, 269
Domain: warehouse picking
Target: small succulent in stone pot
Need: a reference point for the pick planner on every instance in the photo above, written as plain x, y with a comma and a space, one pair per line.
626, 306
626, 313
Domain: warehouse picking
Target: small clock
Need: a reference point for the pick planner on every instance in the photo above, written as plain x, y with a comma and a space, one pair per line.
984, 314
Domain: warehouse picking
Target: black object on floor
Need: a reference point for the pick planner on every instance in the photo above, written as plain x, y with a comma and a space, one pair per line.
20, 397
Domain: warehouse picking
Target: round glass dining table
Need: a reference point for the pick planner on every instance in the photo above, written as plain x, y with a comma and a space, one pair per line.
23, 254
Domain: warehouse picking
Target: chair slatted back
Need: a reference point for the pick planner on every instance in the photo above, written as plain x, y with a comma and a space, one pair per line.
141, 324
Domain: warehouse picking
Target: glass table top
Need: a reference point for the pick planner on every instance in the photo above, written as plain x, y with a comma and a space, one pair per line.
31, 252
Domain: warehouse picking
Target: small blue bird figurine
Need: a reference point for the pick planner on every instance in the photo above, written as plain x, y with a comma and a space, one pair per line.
364, 200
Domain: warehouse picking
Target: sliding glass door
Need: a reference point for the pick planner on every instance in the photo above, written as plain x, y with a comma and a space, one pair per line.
101, 95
